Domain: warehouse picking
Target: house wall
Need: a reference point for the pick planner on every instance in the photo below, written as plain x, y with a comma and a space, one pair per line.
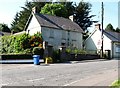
107, 45
116, 50
56, 37
94, 42
33, 26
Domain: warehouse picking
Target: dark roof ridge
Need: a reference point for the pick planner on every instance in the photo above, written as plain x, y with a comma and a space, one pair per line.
57, 22
108, 32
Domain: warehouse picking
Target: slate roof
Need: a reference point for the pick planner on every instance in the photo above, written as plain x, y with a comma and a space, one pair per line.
114, 36
57, 22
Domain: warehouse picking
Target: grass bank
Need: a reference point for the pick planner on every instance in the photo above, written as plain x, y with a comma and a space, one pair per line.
116, 84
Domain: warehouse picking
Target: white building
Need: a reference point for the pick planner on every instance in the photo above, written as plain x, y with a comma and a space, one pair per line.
111, 41
55, 30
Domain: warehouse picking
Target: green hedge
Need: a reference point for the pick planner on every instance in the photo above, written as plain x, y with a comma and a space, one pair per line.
20, 44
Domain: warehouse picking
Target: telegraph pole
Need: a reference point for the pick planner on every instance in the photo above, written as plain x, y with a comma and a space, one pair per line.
102, 15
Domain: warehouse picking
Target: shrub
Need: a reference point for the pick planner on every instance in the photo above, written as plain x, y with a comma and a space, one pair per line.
56, 56
82, 52
75, 51
23, 41
116, 84
36, 40
38, 51
20, 44
68, 50
27, 51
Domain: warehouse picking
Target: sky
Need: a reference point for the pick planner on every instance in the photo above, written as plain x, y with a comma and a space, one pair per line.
9, 8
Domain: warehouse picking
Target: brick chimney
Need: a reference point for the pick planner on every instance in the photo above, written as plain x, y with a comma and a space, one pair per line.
71, 18
97, 26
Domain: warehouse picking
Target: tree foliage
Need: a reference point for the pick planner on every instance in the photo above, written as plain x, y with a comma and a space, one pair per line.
80, 12
69, 7
21, 17
4, 28
109, 27
117, 30
62, 9
55, 10
82, 15
22, 43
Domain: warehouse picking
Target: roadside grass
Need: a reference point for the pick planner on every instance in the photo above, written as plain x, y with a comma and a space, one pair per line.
116, 84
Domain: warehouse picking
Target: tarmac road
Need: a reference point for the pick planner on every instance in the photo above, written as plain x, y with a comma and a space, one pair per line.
93, 73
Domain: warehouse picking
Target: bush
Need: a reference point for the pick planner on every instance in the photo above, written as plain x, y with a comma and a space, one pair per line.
56, 56
36, 40
36, 50
75, 51
20, 44
116, 84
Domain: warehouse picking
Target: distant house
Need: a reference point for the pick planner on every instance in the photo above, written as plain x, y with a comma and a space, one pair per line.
111, 41
57, 31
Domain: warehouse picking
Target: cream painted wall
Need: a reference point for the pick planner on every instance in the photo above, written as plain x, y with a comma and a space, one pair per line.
55, 37
116, 47
34, 26
94, 42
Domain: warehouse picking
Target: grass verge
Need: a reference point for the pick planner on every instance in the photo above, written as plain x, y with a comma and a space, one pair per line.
116, 84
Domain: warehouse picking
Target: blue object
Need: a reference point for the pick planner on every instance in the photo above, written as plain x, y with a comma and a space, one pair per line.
36, 59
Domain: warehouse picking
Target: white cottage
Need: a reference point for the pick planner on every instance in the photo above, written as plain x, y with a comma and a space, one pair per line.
111, 41
55, 30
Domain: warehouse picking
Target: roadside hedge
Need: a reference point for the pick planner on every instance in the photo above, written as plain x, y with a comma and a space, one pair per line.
20, 44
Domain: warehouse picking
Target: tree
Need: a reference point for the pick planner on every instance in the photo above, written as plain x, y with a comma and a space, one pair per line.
109, 27
69, 7
21, 17
4, 28
62, 9
82, 16
117, 30
55, 10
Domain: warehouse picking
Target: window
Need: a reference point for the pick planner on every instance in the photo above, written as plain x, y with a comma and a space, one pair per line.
117, 48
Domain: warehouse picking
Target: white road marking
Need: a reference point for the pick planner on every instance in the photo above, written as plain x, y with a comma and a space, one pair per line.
37, 79
4, 84
72, 83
